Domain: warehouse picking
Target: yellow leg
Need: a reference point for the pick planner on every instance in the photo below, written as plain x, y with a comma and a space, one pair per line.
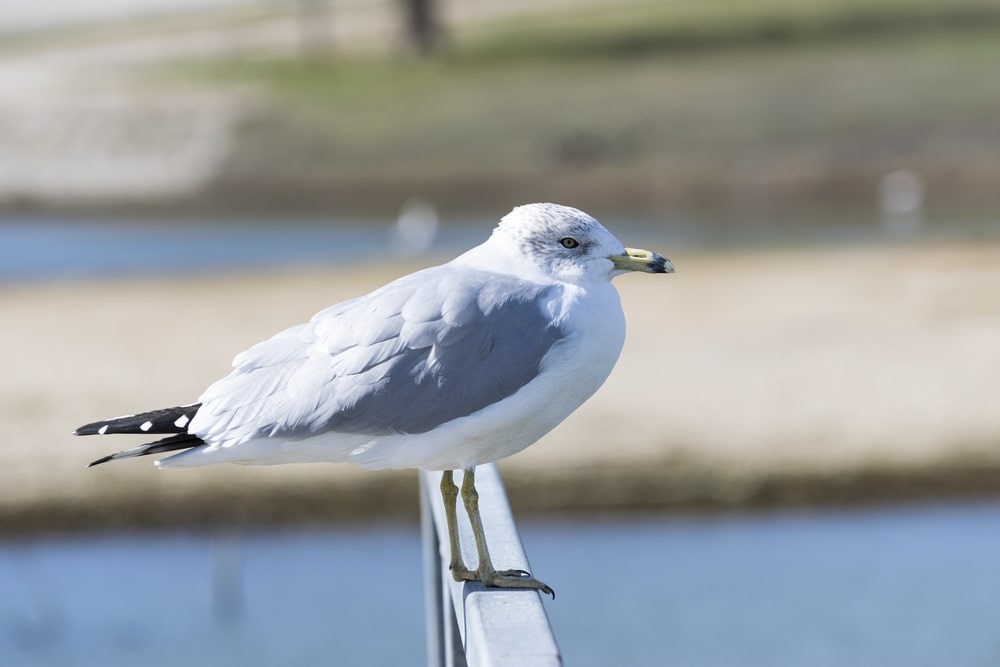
449, 494
485, 572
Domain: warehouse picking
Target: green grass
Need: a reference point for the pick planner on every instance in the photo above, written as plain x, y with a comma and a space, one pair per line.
663, 96
641, 27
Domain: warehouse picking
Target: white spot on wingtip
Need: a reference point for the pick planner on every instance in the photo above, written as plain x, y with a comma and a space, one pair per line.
182, 421
146, 426
102, 430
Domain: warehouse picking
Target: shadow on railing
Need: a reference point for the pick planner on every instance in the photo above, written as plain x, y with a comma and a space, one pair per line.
466, 623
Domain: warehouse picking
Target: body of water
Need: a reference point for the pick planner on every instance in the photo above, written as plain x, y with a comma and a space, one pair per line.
46, 247
917, 585
38, 249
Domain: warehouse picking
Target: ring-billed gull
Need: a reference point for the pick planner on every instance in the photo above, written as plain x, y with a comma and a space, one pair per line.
444, 369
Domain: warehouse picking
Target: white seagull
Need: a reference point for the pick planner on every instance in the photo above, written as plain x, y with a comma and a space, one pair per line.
444, 369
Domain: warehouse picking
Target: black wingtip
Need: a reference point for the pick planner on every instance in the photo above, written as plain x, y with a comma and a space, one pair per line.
103, 459
168, 420
87, 429
171, 444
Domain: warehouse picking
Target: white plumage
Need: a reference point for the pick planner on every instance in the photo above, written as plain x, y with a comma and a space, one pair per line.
281, 402
450, 367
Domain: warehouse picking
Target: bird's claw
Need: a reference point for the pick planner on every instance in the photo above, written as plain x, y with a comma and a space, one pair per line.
513, 573
502, 579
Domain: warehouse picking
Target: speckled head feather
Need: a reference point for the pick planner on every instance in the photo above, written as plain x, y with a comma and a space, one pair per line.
534, 225
562, 241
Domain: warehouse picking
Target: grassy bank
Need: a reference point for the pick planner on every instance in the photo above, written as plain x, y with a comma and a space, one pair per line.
738, 107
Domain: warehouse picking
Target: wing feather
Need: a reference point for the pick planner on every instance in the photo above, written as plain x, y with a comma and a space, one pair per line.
419, 352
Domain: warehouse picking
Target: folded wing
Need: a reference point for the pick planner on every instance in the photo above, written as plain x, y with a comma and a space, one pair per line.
407, 358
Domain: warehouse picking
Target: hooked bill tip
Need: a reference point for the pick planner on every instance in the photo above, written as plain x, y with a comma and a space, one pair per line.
662, 265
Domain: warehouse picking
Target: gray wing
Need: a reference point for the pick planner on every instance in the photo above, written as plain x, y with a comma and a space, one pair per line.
431, 347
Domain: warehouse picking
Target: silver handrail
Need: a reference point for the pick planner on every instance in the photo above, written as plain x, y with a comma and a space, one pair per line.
468, 624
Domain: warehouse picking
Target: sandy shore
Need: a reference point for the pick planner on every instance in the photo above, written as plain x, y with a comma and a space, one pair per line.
749, 377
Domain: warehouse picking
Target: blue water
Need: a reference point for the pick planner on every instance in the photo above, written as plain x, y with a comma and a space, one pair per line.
913, 586
43, 248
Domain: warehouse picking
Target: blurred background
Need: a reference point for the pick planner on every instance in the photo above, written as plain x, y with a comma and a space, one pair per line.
797, 459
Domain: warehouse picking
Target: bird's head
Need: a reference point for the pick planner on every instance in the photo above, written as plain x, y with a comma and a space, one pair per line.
567, 244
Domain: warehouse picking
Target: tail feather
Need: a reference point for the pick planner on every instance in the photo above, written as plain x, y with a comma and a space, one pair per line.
173, 443
169, 420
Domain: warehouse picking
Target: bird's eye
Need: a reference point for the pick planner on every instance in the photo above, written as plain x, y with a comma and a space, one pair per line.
569, 242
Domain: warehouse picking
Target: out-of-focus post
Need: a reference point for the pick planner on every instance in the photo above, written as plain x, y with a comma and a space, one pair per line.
421, 27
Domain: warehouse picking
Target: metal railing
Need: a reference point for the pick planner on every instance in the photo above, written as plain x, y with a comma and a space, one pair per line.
466, 623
